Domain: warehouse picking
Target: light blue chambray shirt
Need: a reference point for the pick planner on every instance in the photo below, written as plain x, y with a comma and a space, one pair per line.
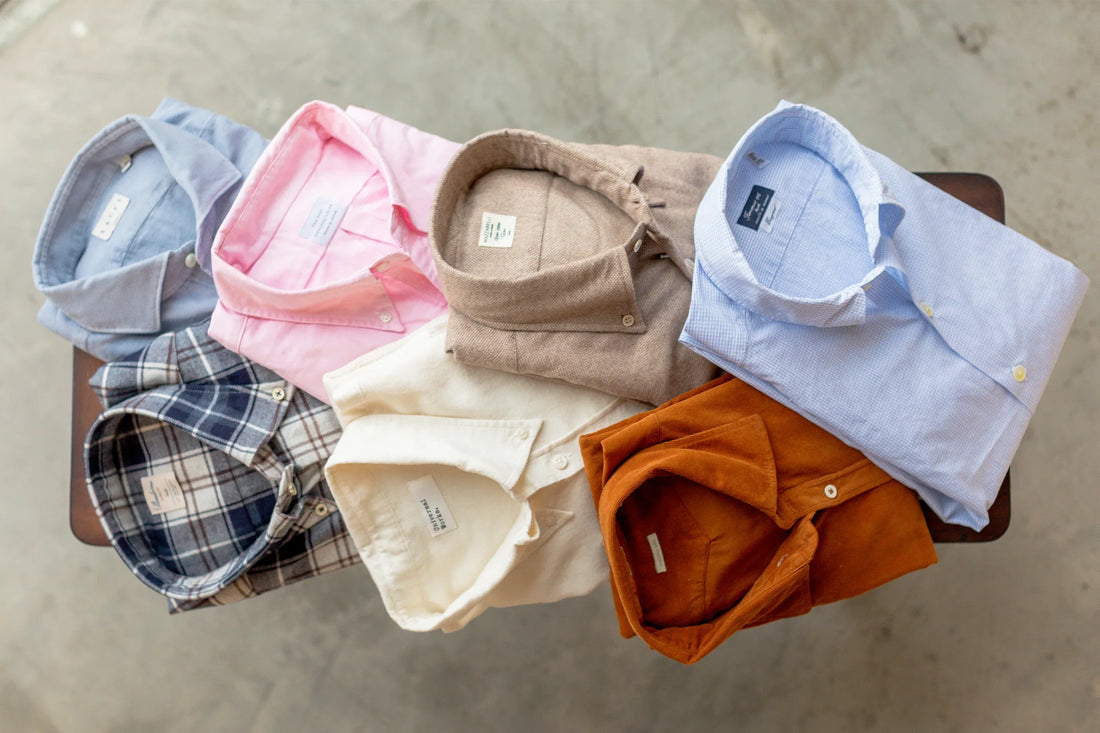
908, 324
124, 251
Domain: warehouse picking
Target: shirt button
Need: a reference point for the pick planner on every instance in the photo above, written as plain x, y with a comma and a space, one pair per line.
1019, 372
830, 491
628, 320
278, 394
385, 316
190, 260
926, 308
637, 245
689, 263
320, 510
522, 433
560, 462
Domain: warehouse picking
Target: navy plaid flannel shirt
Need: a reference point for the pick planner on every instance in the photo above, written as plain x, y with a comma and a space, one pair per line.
207, 473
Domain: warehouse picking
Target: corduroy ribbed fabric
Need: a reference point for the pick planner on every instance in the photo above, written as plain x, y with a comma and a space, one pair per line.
723, 509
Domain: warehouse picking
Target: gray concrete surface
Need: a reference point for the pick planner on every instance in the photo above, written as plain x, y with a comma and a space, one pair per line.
998, 637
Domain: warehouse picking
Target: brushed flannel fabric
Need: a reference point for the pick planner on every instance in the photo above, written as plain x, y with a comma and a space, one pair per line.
124, 249
571, 262
723, 509
464, 486
911, 326
245, 449
324, 256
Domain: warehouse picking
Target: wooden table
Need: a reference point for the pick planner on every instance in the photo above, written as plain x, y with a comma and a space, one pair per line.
980, 191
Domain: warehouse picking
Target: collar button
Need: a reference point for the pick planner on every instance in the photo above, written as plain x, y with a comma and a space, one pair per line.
628, 320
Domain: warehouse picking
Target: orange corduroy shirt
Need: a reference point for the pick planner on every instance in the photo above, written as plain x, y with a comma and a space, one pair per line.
723, 509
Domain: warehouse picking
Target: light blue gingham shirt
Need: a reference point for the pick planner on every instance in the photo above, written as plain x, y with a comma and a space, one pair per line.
910, 325
124, 249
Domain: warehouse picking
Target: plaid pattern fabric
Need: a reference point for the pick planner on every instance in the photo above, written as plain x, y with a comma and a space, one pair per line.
207, 473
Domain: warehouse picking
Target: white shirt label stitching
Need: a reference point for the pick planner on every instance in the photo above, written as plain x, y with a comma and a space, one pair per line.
497, 230
322, 221
770, 214
433, 508
658, 553
110, 217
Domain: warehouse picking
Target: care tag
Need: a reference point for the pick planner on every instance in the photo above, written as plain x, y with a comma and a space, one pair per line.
658, 553
162, 493
497, 230
434, 509
322, 221
768, 221
755, 159
108, 220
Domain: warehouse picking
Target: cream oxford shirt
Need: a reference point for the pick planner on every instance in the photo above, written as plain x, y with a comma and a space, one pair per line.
462, 486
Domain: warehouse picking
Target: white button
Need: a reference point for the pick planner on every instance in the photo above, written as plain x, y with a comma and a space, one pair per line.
689, 263
278, 394
190, 260
926, 308
522, 433
385, 316
637, 245
1019, 372
321, 510
830, 491
560, 462
628, 320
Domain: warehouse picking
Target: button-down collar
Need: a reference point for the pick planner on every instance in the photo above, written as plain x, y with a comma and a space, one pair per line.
493, 300
326, 247
503, 450
138, 275
587, 276
206, 472
723, 509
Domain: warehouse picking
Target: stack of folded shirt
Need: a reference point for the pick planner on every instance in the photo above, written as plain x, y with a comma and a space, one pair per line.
824, 333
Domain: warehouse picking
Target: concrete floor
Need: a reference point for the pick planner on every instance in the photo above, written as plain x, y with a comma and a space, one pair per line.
999, 637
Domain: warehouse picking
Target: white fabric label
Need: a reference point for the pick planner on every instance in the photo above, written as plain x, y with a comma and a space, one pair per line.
658, 553
162, 493
497, 230
322, 221
755, 159
108, 220
434, 509
772, 211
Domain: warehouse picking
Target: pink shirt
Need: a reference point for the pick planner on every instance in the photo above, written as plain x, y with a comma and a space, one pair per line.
324, 255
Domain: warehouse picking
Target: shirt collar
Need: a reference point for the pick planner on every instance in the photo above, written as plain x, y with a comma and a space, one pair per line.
719, 255
190, 381
411, 184
361, 299
200, 169
492, 300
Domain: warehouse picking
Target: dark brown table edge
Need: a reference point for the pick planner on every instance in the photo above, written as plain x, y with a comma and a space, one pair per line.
976, 189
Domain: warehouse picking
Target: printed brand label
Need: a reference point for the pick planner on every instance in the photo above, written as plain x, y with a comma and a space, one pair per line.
658, 554
755, 206
768, 221
108, 220
162, 493
434, 510
497, 230
322, 221
755, 159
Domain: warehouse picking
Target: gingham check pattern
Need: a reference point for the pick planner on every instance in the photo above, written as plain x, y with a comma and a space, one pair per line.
248, 451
